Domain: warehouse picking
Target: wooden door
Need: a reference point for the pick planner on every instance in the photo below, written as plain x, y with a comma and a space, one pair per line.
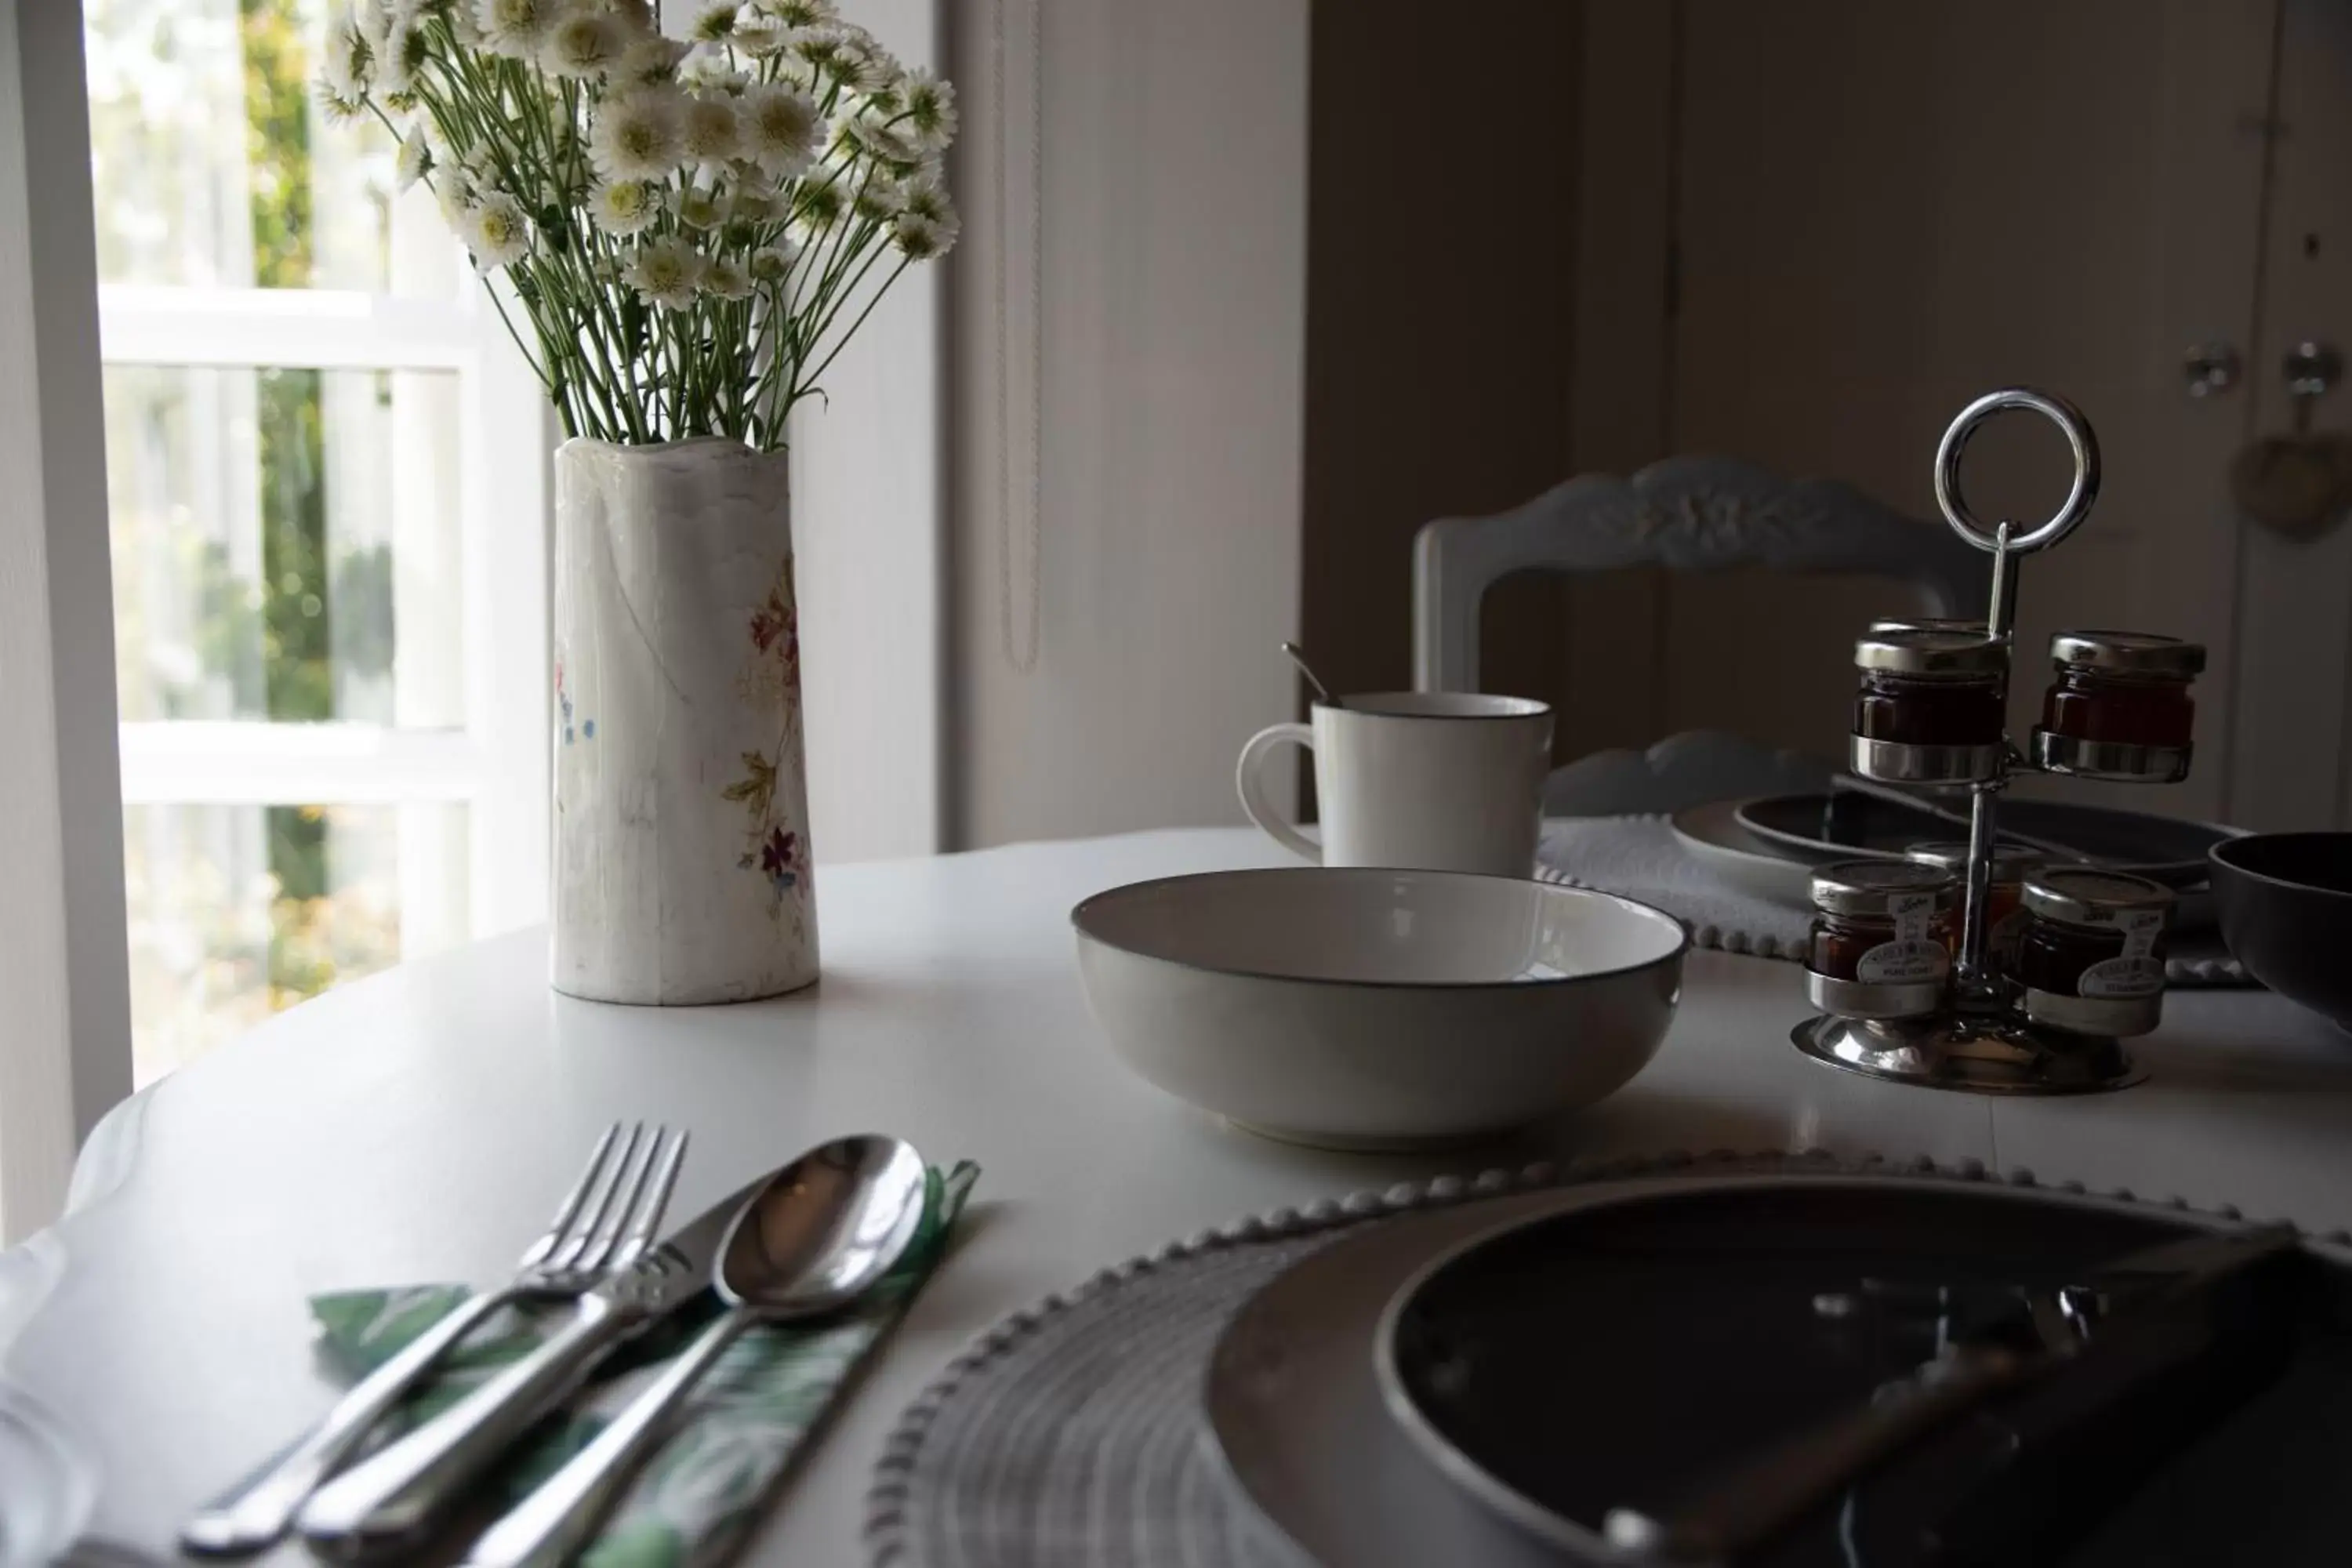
1876, 212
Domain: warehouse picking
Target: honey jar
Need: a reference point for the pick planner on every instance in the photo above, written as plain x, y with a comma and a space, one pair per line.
2091, 956
2119, 708
1928, 707
2005, 915
1880, 945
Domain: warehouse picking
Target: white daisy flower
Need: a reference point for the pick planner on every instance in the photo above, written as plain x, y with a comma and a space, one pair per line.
517, 28
414, 161
374, 20
711, 72
759, 35
929, 107
727, 280
879, 197
666, 271
820, 203
496, 232
773, 263
699, 208
713, 24
835, 50
919, 237
927, 203
585, 45
339, 110
651, 61
879, 139
800, 12
638, 135
753, 203
348, 61
783, 130
405, 50
713, 133
624, 207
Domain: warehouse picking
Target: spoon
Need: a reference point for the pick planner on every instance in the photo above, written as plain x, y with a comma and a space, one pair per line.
1322, 693
818, 1235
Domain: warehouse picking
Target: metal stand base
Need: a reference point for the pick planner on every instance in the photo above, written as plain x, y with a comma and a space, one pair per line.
1978, 1055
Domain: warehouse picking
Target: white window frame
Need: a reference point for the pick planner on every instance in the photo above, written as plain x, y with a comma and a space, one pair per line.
496, 763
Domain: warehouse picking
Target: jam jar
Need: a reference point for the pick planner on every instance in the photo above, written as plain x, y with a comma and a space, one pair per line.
2091, 958
1880, 945
2004, 894
2120, 707
1929, 707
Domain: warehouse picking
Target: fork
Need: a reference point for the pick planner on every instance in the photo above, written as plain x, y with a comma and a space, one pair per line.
606, 1222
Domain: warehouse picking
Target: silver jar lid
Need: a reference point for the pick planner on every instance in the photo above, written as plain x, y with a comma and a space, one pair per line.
2129, 653
2011, 862
1863, 887
2085, 895
1966, 627
1935, 655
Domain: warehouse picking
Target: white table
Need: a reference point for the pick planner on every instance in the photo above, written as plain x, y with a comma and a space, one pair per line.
417, 1126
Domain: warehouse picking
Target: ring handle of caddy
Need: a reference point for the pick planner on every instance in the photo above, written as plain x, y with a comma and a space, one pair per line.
2071, 424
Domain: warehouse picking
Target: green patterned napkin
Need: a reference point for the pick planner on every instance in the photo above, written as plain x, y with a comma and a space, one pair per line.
695, 1497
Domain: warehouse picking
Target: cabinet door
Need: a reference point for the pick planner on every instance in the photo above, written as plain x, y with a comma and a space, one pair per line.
2291, 762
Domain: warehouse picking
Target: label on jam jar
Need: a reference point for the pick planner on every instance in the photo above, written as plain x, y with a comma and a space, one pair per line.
1913, 956
2135, 972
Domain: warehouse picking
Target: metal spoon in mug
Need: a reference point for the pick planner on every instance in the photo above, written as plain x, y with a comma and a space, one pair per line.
824, 1230
1322, 693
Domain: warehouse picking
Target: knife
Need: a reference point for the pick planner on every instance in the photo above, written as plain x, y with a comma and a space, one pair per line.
2038, 1337
391, 1501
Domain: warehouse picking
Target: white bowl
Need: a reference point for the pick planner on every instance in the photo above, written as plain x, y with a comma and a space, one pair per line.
1364, 1009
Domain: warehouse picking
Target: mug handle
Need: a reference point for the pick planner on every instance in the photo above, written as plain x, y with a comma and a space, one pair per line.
1252, 788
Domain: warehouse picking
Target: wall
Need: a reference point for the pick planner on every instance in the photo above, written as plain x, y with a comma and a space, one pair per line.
64, 1034
1127, 340
866, 522
1440, 325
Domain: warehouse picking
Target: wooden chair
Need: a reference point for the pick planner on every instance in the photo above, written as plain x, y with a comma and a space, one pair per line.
1686, 514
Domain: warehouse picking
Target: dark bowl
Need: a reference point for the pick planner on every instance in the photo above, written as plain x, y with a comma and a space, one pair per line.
2286, 904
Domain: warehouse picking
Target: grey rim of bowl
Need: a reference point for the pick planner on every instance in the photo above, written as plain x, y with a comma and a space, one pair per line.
1537, 708
1681, 947
2215, 856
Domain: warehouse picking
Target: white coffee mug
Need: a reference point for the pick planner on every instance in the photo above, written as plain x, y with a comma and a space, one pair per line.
1447, 780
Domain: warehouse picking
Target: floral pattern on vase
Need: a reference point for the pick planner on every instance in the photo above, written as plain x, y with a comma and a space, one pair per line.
772, 671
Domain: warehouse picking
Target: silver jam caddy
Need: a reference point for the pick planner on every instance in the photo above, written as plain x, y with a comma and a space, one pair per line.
2049, 1019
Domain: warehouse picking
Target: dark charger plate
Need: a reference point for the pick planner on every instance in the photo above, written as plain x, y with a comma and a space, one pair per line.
1846, 822
1612, 1357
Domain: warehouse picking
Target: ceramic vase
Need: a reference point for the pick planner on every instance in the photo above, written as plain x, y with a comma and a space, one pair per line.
682, 853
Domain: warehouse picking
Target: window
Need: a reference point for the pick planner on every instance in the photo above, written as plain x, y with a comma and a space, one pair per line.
324, 465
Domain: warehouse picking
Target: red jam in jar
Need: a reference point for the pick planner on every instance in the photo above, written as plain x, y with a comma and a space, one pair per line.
1883, 930
2005, 918
1930, 688
2092, 957
2124, 689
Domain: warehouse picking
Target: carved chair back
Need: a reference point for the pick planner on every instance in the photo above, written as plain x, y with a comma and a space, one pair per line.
1688, 515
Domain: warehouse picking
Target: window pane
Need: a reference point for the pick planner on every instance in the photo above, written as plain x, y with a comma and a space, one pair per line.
212, 163
237, 912
285, 545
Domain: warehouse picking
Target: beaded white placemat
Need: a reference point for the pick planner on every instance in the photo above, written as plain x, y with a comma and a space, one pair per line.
1070, 1435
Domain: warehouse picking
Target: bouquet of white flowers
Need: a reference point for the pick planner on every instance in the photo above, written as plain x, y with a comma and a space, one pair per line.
687, 222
